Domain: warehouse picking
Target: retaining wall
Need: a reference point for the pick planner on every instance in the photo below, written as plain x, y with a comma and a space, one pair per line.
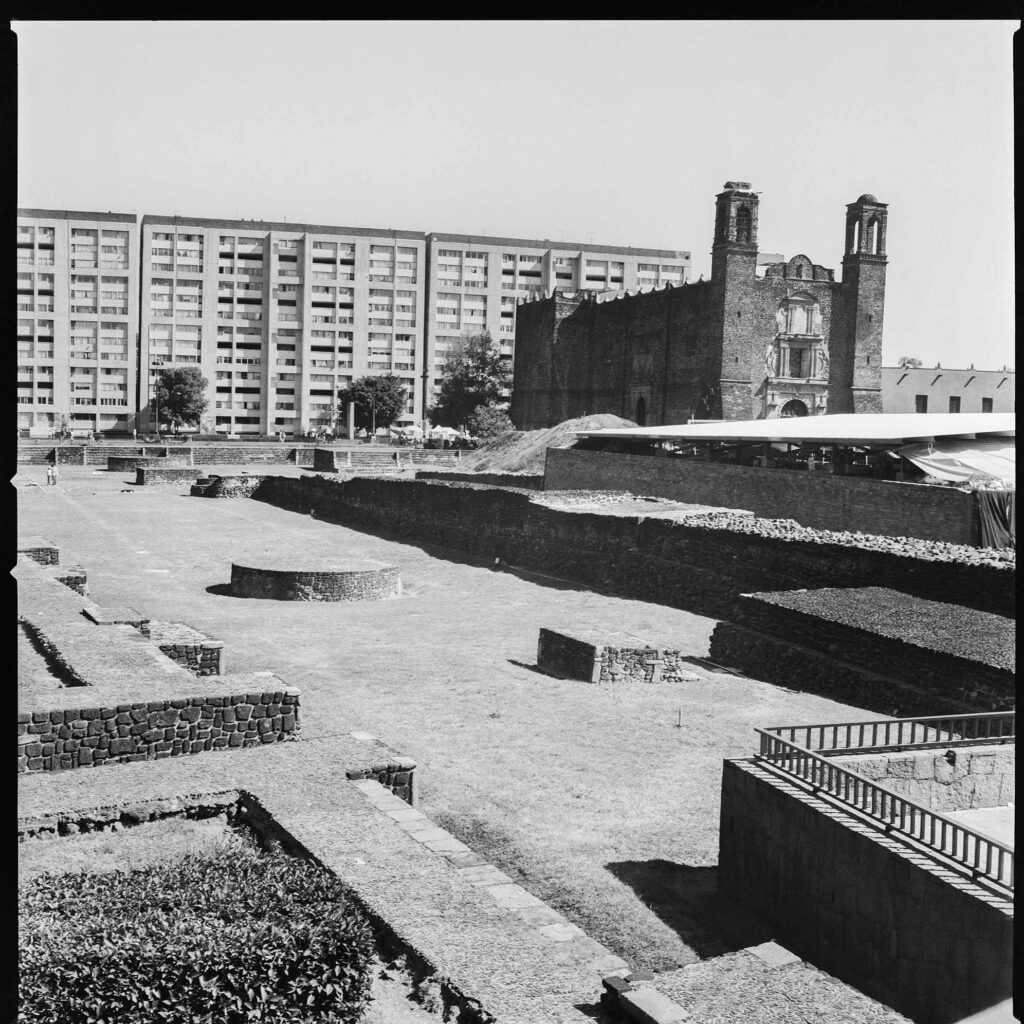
862, 905
880, 648
821, 500
126, 463
91, 734
242, 485
523, 481
976, 777
147, 475
701, 564
330, 460
113, 671
202, 655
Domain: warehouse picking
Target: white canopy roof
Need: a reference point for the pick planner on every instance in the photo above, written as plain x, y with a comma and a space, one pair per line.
840, 428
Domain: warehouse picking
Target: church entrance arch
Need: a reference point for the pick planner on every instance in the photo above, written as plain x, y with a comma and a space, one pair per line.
640, 412
794, 407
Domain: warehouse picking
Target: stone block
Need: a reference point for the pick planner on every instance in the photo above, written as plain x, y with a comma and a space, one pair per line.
649, 1006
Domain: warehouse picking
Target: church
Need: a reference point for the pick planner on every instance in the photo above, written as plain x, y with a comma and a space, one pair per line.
758, 340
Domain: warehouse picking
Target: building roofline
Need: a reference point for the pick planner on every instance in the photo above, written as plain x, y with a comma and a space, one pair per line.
944, 369
129, 218
274, 225
547, 243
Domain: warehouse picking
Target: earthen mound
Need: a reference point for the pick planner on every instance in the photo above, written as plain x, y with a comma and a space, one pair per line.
522, 451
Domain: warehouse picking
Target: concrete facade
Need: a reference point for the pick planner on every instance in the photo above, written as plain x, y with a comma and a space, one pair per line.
936, 389
758, 340
78, 316
278, 317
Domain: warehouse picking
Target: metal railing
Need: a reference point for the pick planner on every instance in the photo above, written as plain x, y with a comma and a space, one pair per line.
984, 858
835, 738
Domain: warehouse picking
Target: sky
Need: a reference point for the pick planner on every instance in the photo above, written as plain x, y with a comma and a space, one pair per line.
617, 133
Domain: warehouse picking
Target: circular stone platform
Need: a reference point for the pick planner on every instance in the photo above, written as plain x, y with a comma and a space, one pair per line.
314, 579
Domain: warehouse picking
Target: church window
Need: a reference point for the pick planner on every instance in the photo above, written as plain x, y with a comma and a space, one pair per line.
743, 224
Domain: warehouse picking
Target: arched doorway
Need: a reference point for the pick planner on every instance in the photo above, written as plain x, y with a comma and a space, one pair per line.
640, 413
794, 407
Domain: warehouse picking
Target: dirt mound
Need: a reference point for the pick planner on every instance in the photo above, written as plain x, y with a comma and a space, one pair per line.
522, 451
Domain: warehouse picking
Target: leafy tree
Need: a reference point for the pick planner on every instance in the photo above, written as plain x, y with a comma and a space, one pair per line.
379, 400
908, 362
487, 421
474, 374
180, 396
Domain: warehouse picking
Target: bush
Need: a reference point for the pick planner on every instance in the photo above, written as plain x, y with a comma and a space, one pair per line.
229, 938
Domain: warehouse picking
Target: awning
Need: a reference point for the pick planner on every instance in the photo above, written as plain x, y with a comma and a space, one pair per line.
866, 429
958, 461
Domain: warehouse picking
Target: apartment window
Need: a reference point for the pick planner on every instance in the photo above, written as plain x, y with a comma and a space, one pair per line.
920, 403
448, 252
954, 403
986, 405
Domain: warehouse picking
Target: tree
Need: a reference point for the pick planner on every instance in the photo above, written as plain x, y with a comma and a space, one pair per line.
474, 374
379, 400
487, 421
908, 362
180, 396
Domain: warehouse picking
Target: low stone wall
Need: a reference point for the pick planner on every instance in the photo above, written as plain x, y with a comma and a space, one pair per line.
202, 655
126, 463
242, 485
330, 460
396, 775
798, 668
39, 549
700, 564
861, 904
972, 778
330, 581
146, 476
74, 577
608, 658
522, 481
821, 500
87, 736
932, 651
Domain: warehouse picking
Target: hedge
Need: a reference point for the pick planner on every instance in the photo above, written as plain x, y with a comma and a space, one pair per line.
214, 939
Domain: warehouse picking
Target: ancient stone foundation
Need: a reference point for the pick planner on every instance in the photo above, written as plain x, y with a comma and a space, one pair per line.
327, 580
201, 654
608, 658
876, 647
149, 730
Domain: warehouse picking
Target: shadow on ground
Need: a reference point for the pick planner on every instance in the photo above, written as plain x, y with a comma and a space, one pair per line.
220, 590
687, 899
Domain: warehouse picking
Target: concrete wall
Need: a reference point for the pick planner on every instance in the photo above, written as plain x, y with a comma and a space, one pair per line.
900, 388
981, 776
862, 905
820, 500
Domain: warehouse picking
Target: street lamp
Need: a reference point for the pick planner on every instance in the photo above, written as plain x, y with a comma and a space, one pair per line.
158, 366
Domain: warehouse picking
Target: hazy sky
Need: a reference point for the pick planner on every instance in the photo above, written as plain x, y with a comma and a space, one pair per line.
613, 132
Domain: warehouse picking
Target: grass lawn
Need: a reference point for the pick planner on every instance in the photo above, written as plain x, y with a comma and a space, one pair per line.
593, 798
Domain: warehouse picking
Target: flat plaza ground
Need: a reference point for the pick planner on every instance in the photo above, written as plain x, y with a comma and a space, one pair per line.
601, 801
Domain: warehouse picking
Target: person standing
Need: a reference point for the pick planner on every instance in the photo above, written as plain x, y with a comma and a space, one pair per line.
49, 475
53, 473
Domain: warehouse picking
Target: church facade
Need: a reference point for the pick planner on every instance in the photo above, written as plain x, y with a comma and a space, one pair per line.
758, 340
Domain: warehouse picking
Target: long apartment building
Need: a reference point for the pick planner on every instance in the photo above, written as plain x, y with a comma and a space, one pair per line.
280, 316
277, 316
78, 317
